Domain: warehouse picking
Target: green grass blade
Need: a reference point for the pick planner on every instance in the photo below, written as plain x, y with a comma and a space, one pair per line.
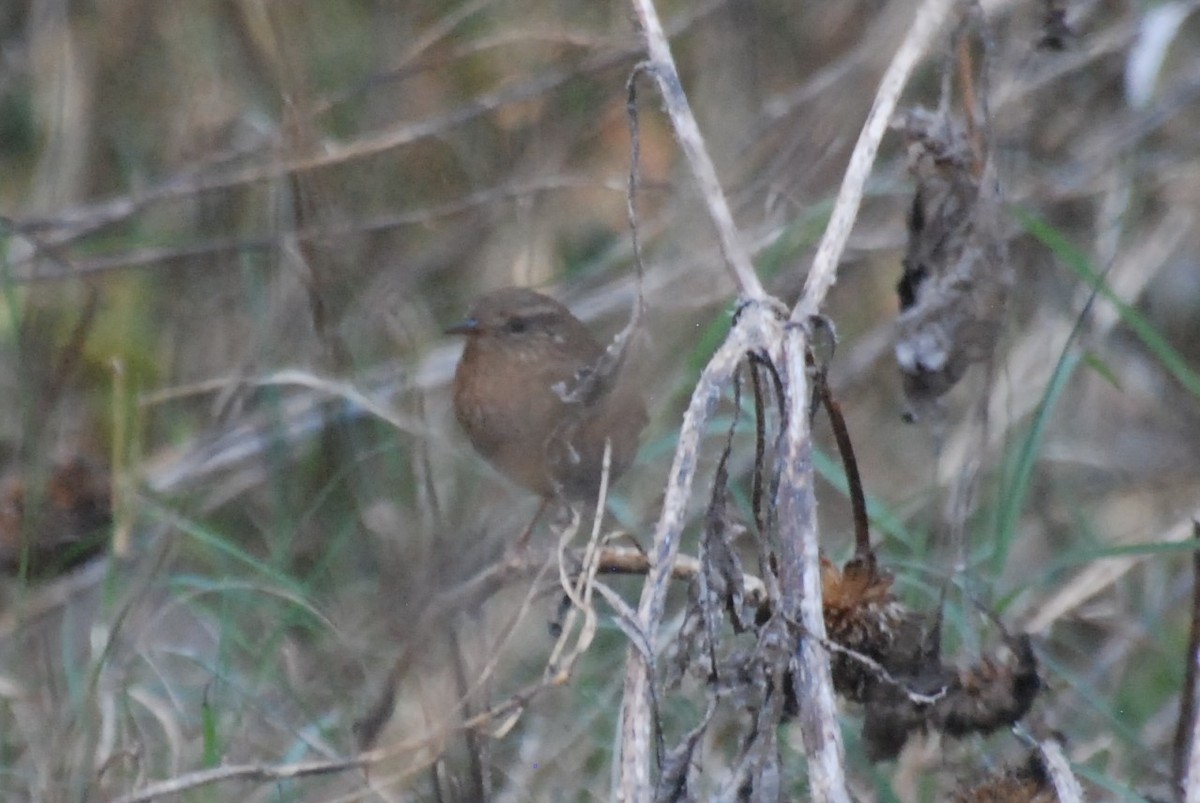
1017, 490
1078, 262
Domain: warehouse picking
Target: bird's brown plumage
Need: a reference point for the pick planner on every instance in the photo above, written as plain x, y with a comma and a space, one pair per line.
523, 351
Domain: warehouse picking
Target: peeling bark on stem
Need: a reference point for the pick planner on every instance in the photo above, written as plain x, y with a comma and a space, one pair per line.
800, 583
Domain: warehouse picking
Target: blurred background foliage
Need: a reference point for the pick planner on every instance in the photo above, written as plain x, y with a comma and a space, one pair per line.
197, 196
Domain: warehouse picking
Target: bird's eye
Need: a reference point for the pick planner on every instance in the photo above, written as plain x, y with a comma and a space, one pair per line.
515, 326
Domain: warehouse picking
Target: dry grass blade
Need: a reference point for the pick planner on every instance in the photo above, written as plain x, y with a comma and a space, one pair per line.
1094, 580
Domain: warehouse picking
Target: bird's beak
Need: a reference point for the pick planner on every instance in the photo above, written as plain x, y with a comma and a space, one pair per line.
468, 326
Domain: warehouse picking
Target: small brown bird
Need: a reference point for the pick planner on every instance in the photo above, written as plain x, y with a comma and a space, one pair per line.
524, 353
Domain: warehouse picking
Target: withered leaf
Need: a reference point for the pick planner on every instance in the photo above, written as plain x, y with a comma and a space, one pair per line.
956, 272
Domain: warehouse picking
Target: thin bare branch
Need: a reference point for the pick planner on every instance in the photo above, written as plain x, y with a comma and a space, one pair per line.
1187, 733
662, 66
1066, 785
155, 255
800, 581
926, 23
242, 772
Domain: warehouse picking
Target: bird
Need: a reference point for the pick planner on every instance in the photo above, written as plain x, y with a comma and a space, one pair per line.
525, 354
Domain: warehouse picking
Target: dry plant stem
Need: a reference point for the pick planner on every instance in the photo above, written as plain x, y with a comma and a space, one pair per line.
245, 772
1066, 786
628, 560
797, 504
823, 274
477, 765
962, 50
756, 326
216, 246
800, 582
662, 66
122, 510
800, 558
858, 499
760, 450
579, 592
1187, 739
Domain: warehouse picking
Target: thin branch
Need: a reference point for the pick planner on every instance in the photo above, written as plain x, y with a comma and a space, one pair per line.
218, 246
478, 767
1066, 785
800, 581
627, 560
760, 449
823, 274
635, 179
1187, 743
662, 66
244, 772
